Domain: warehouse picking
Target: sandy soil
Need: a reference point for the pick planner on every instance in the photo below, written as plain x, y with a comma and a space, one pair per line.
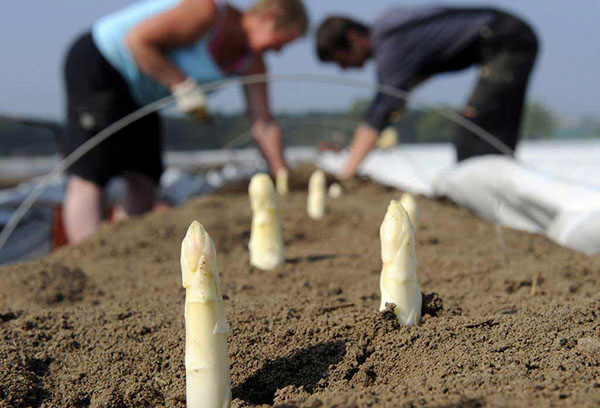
101, 324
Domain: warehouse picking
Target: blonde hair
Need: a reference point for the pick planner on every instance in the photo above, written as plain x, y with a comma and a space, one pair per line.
288, 13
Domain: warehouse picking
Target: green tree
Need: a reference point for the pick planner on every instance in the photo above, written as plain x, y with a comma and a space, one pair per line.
433, 127
592, 125
358, 108
539, 121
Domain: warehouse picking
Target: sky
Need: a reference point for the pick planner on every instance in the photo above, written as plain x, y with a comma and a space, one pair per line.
35, 34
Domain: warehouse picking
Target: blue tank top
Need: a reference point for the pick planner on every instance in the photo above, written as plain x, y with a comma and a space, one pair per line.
196, 60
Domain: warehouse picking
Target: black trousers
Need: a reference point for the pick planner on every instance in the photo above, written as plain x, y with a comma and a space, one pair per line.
507, 51
97, 96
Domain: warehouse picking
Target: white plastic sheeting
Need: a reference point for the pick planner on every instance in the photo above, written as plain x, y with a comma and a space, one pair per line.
553, 189
579, 230
408, 167
502, 190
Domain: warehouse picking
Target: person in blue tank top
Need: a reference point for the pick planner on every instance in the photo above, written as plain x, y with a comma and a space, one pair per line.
149, 50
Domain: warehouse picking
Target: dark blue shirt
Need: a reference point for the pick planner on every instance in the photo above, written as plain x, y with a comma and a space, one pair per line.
413, 43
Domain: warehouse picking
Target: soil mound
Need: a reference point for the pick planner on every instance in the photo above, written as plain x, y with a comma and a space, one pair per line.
509, 322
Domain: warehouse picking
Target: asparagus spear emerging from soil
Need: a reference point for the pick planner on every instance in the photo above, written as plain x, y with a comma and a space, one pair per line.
335, 190
410, 205
266, 238
398, 281
208, 383
317, 192
282, 182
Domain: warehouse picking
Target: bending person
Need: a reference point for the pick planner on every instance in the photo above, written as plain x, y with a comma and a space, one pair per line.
412, 44
143, 53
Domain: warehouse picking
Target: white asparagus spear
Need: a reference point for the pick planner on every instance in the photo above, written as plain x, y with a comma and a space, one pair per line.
398, 281
282, 182
335, 190
266, 237
208, 382
388, 138
317, 192
410, 205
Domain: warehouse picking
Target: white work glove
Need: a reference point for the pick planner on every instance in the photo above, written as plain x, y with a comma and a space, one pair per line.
191, 99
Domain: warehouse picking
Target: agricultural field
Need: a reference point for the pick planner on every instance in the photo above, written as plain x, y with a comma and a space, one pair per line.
509, 318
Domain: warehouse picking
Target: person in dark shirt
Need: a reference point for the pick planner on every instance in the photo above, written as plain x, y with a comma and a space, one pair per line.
412, 44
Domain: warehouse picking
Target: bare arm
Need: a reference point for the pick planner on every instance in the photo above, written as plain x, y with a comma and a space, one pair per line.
182, 25
266, 133
365, 136
364, 141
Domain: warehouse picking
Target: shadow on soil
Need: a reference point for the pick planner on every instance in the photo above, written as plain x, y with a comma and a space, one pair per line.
303, 368
317, 258
465, 403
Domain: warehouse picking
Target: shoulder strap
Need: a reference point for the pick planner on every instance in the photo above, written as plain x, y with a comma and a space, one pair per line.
221, 8
213, 36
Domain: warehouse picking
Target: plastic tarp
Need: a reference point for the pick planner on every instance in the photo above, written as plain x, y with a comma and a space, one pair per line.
552, 188
502, 190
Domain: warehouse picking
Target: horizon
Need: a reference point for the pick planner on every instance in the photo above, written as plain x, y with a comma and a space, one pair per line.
563, 79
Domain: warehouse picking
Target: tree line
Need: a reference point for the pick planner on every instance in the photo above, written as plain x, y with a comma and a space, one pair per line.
32, 137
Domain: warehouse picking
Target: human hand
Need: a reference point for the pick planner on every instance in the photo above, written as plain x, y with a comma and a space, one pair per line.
350, 180
191, 99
